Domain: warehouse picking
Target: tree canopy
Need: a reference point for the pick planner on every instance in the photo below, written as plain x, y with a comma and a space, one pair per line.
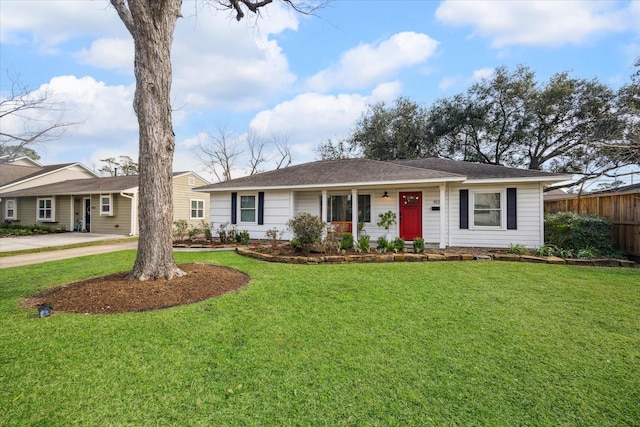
566, 124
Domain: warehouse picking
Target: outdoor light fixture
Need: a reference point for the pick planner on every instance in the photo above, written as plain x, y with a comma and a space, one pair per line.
385, 195
45, 310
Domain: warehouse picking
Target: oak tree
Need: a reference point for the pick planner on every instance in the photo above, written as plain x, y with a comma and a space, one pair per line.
151, 24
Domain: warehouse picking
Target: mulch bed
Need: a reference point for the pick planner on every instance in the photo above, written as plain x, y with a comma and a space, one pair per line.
115, 294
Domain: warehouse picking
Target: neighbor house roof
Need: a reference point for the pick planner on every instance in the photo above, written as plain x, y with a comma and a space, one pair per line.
79, 186
11, 174
349, 172
115, 184
335, 173
561, 195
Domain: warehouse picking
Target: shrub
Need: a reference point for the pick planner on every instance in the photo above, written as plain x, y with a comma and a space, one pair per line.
307, 229
274, 236
193, 232
206, 228
518, 249
243, 237
364, 244
346, 241
382, 244
573, 232
418, 245
398, 245
227, 236
180, 228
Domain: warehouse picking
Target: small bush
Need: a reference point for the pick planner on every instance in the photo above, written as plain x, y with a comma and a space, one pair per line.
307, 229
346, 241
206, 229
398, 245
364, 244
518, 249
573, 232
227, 235
418, 245
180, 228
243, 237
193, 232
382, 244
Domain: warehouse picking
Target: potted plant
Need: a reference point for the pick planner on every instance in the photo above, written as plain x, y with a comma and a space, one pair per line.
386, 220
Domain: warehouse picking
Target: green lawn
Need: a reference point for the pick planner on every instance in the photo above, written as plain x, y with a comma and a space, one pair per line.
407, 344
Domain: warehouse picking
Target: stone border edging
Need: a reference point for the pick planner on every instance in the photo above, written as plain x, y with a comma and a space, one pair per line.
411, 257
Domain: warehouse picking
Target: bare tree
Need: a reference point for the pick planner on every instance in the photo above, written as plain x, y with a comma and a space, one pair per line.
219, 154
256, 146
27, 119
152, 25
281, 143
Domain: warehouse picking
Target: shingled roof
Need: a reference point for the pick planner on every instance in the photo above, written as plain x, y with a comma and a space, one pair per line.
79, 186
334, 173
352, 172
10, 174
479, 170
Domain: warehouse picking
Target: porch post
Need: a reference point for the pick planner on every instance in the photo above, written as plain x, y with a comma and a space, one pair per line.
354, 214
323, 212
443, 215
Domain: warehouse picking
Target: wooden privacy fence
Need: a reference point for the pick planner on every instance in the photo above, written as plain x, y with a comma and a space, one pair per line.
621, 208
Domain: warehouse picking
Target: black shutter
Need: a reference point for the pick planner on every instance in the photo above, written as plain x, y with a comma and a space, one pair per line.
261, 208
464, 209
512, 211
234, 208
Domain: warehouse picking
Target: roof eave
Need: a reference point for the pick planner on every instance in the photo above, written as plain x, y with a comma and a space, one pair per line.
334, 185
547, 179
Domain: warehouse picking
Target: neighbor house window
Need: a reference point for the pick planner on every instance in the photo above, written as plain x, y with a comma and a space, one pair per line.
10, 209
247, 208
487, 209
340, 208
106, 204
197, 209
46, 209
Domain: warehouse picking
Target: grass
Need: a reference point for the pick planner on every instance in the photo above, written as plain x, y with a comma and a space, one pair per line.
468, 343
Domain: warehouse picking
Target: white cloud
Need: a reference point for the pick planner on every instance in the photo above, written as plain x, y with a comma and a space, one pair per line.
369, 64
482, 73
312, 118
114, 54
552, 23
50, 23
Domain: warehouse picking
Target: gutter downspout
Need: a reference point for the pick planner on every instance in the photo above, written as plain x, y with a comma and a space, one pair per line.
133, 220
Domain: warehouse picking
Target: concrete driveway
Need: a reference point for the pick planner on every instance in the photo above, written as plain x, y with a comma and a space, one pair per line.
52, 240
8, 244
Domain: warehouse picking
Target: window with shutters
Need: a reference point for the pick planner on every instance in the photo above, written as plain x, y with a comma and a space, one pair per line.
488, 209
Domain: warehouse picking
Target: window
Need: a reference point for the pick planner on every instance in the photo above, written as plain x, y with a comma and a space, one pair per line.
340, 208
106, 204
46, 209
191, 181
10, 209
487, 209
247, 208
197, 209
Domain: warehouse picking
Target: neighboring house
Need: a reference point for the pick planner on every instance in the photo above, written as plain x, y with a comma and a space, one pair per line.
619, 205
99, 205
446, 202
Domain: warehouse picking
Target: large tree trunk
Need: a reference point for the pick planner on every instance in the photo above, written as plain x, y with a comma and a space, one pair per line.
152, 23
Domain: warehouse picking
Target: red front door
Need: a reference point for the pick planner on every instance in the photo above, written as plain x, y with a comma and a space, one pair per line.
410, 215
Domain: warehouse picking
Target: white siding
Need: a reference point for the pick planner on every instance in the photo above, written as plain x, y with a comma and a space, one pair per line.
307, 201
277, 208
529, 211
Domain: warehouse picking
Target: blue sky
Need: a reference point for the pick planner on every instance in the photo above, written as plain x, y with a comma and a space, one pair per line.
300, 79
